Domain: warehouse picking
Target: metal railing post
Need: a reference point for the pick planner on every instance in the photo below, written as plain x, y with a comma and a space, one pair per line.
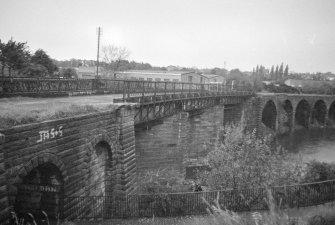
143, 90
124, 91
155, 92
165, 88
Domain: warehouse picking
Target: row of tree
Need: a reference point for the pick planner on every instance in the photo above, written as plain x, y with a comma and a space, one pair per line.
15, 56
275, 73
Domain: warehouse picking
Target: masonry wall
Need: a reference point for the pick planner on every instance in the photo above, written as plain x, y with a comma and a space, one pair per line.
95, 154
178, 139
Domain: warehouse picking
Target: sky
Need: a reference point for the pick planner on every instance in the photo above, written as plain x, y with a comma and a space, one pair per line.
189, 33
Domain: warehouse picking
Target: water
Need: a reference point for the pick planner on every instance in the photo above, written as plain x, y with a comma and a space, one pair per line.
313, 143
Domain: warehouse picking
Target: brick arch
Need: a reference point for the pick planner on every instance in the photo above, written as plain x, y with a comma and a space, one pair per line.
93, 157
102, 137
40, 160
269, 114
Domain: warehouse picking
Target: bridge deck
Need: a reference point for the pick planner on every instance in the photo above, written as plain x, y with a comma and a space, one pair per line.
14, 111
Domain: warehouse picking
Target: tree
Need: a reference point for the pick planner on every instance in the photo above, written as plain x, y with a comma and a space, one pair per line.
68, 73
272, 73
277, 73
42, 58
13, 55
242, 160
114, 56
286, 72
281, 71
35, 70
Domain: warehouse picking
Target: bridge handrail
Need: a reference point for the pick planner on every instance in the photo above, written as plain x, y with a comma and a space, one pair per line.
13, 85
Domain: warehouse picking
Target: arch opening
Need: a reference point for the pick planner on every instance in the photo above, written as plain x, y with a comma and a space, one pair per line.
331, 112
269, 115
99, 169
302, 114
319, 112
41, 190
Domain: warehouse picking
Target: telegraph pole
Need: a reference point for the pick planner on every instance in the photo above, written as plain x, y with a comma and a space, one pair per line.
99, 32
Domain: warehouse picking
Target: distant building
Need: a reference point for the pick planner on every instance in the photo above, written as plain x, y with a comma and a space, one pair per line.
202, 78
90, 72
303, 83
148, 75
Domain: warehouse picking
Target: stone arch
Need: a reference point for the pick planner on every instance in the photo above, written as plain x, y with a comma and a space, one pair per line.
319, 112
331, 111
269, 115
37, 161
39, 186
101, 166
302, 113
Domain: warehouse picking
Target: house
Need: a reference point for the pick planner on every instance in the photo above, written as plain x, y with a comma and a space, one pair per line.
202, 78
150, 75
90, 72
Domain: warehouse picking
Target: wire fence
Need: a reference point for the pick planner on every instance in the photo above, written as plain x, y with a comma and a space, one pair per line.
196, 203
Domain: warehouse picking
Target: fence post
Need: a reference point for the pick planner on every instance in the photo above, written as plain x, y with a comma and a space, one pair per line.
165, 88
124, 91
143, 90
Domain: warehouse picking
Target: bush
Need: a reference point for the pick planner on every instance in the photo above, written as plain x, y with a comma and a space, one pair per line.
166, 180
319, 171
280, 88
243, 160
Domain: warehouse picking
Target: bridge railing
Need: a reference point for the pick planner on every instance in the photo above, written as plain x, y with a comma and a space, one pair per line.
128, 88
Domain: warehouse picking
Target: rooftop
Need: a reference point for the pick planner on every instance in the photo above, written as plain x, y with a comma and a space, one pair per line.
153, 72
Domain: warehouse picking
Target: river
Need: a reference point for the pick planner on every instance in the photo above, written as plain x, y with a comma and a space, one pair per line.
313, 143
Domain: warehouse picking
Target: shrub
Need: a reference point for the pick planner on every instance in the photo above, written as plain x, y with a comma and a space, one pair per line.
166, 180
319, 171
243, 160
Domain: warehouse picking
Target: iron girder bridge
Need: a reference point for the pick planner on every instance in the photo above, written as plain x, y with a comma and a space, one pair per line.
155, 100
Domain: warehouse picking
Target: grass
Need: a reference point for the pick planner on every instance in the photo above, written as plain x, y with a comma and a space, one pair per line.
22, 110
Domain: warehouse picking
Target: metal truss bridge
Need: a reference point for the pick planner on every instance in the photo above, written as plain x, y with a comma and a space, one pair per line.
155, 100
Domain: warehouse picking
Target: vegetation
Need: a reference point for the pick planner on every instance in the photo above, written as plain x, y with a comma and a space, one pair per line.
243, 160
166, 180
280, 88
68, 73
13, 56
319, 171
12, 114
16, 56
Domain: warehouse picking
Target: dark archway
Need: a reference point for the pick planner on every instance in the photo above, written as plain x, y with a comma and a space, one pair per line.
100, 169
289, 113
269, 115
319, 112
331, 112
302, 113
41, 190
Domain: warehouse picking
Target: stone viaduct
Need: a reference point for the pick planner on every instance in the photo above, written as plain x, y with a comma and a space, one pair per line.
287, 112
95, 154
88, 155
